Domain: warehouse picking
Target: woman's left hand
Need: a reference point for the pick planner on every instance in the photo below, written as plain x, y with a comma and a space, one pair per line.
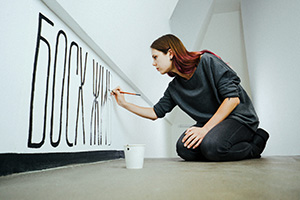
194, 136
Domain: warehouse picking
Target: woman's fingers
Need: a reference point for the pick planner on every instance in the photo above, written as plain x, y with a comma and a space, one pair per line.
192, 138
191, 141
116, 90
198, 143
188, 132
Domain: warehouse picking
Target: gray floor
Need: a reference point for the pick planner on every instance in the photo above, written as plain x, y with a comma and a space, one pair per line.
266, 178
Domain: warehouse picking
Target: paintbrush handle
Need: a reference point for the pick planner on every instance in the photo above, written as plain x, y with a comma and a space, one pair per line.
122, 92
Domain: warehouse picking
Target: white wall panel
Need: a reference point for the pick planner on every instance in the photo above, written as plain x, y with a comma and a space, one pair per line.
18, 47
272, 30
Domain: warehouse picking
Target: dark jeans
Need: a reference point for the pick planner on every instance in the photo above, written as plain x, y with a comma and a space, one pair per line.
228, 141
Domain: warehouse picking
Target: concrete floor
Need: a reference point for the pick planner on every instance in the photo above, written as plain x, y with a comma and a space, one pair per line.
266, 178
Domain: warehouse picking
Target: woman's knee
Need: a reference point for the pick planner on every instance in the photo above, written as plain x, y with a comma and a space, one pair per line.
184, 152
212, 150
180, 149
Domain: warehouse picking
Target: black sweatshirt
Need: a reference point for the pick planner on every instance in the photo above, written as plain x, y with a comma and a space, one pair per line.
203, 93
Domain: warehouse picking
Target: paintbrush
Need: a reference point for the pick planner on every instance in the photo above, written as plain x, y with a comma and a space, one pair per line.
130, 93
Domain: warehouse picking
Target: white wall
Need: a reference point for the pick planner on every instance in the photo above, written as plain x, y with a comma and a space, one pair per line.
272, 30
121, 33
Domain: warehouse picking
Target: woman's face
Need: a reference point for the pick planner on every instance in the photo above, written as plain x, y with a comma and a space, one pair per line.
161, 61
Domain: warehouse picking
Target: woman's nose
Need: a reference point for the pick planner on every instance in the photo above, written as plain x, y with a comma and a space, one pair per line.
154, 63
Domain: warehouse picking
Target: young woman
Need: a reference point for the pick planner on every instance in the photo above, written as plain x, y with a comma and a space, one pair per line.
209, 91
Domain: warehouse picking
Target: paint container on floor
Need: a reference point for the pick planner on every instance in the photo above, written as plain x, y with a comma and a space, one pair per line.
134, 156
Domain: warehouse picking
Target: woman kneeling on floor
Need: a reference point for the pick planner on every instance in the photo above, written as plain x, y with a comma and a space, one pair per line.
209, 91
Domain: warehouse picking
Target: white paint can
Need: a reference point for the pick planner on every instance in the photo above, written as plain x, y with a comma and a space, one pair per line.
134, 156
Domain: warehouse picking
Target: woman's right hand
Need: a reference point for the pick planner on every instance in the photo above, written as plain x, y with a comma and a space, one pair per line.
146, 112
119, 97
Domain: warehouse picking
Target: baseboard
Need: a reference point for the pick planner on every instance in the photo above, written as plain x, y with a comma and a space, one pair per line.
15, 163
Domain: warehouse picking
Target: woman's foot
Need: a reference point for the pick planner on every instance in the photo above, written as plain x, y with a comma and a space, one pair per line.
259, 140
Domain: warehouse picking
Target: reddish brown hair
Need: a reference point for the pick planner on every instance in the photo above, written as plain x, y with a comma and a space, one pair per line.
183, 60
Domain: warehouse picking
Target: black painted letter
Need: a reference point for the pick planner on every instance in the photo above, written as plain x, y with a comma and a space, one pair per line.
31, 144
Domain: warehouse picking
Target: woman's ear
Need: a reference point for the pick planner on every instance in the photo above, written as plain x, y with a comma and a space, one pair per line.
170, 52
